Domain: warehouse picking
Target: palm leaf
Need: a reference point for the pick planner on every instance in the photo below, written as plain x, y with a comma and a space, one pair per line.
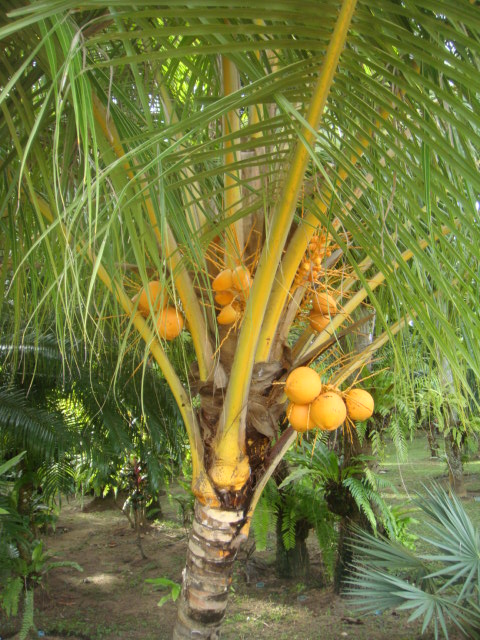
440, 586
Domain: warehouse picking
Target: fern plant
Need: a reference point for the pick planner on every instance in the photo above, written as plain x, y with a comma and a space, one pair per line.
321, 491
76, 426
440, 586
343, 485
289, 513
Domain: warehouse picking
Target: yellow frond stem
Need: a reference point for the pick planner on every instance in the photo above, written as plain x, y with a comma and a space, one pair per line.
296, 250
283, 283
293, 257
231, 428
193, 312
235, 240
154, 346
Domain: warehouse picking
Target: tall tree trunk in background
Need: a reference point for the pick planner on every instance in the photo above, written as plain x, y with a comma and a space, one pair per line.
212, 549
452, 447
362, 340
364, 335
432, 438
294, 562
453, 452
341, 502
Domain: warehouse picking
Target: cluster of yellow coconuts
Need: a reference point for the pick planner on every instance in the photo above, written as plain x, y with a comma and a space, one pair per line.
311, 267
153, 298
231, 287
314, 405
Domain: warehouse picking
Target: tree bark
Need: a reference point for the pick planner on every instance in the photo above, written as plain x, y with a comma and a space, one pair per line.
432, 439
341, 502
212, 548
294, 562
455, 466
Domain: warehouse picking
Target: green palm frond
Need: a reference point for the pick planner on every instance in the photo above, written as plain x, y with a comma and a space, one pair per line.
38, 430
316, 460
387, 591
441, 586
27, 615
455, 539
383, 555
264, 519
362, 494
56, 478
416, 65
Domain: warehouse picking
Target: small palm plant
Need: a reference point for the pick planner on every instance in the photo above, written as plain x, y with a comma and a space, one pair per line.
441, 585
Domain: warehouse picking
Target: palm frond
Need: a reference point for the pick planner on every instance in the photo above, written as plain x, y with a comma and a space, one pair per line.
455, 540
28, 427
384, 591
441, 586
416, 65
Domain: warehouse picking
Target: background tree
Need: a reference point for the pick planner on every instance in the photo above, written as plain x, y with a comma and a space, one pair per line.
313, 147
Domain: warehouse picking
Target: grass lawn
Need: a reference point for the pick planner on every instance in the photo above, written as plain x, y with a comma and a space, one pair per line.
420, 469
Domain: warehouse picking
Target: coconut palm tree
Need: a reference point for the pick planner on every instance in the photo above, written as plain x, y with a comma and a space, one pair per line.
285, 149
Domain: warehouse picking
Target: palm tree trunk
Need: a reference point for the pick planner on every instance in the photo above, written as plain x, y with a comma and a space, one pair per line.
212, 548
455, 466
293, 563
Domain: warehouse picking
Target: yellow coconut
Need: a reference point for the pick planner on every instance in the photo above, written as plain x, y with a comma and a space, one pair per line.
299, 416
328, 411
241, 279
223, 281
303, 385
231, 476
153, 295
324, 303
318, 321
359, 404
169, 323
228, 315
224, 297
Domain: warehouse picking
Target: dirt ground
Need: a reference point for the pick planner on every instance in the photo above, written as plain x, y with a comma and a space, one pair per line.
110, 600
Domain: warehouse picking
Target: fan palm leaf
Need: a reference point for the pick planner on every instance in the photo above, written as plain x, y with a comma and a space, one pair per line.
439, 586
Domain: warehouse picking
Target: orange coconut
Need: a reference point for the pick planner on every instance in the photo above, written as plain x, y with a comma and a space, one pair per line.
169, 323
224, 297
359, 404
241, 279
223, 281
328, 411
318, 321
227, 315
299, 416
324, 303
303, 385
152, 295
